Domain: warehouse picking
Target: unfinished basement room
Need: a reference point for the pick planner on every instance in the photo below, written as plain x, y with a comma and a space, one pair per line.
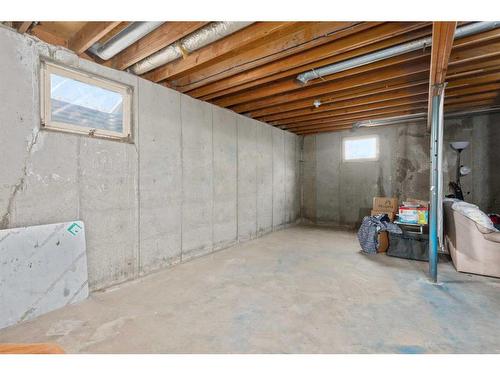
250, 187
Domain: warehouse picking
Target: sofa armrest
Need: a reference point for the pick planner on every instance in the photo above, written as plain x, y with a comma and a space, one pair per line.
493, 236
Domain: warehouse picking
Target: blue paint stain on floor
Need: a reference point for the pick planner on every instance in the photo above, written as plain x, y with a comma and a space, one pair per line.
410, 349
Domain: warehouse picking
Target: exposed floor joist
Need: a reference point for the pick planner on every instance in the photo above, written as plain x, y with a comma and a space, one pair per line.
90, 34
253, 71
163, 36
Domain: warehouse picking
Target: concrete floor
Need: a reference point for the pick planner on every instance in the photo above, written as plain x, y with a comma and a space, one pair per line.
300, 290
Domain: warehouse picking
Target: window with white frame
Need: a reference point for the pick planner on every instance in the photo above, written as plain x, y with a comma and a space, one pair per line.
80, 102
362, 148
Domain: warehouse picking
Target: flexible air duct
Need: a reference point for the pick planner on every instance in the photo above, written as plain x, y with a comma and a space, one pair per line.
129, 35
200, 38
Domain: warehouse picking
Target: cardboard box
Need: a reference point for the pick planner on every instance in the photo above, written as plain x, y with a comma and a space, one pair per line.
385, 204
391, 215
383, 242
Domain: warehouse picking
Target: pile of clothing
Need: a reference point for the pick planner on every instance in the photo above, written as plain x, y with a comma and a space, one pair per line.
371, 227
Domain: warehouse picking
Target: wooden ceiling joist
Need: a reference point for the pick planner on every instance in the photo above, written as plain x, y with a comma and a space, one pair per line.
357, 92
306, 105
49, 37
89, 34
415, 98
248, 37
253, 71
380, 36
358, 101
293, 84
166, 34
450, 105
411, 72
309, 35
24, 26
387, 112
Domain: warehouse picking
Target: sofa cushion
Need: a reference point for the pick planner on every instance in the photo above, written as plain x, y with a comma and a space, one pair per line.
493, 236
474, 213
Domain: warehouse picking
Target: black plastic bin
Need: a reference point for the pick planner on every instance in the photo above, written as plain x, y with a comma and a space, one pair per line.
409, 245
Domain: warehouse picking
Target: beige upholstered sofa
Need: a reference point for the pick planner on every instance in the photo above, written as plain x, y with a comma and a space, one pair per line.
474, 248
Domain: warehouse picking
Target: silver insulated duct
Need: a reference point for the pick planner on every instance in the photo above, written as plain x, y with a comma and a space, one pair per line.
129, 35
474, 28
200, 38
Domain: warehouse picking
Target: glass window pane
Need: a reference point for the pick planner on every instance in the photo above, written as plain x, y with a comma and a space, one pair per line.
81, 104
362, 148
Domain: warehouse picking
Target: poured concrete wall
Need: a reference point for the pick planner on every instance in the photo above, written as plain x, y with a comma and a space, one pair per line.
196, 178
340, 193
482, 156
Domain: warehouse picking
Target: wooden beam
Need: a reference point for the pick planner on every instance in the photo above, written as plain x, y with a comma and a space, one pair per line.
258, 32
24, 26
353, 45
470, 43
477, 67
348, 124
469, 90
48, 37
479, 76
364, 100
161, 37
442, 42
382, 113
334, 126
354, 93
292, 84
390, 103
383, 98
90, 33
471, 102
493, 95
309, 35
473, 54
473, 40
421, 105
474, 80
411, 73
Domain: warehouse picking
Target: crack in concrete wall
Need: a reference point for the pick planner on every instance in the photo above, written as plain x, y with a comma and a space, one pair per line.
183, 166
4, 222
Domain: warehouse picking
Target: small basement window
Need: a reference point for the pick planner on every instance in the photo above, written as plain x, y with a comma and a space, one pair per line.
360, 148
79, 102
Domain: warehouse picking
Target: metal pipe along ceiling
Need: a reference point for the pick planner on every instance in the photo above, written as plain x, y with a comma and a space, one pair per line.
200, 38
461, 32
129, 35
422, 116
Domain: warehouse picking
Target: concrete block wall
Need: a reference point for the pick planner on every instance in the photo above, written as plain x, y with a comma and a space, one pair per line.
340, 194
197, 178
